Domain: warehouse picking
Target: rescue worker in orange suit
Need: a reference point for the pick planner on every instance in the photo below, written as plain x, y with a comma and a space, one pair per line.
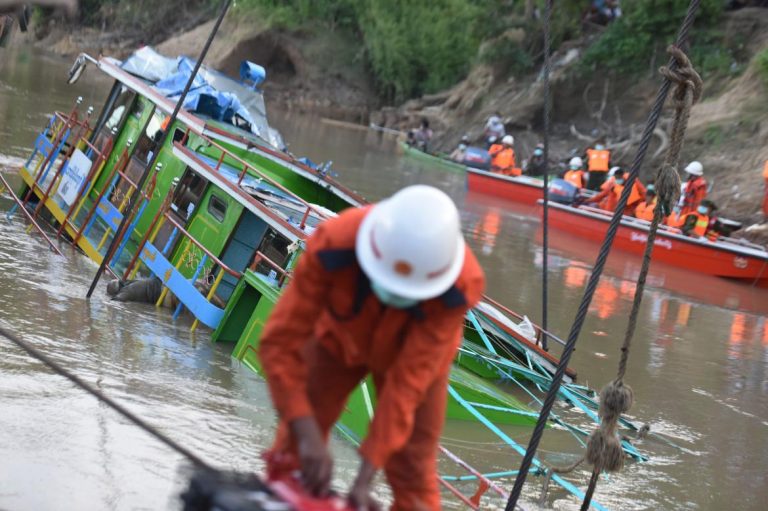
598, 163
765, 199
694, 189
575, 174
503, 157
383, 291
644, 210
702, 223
608, 199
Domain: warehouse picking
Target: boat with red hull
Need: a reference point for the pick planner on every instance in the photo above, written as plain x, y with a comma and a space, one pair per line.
728, 258
523, 189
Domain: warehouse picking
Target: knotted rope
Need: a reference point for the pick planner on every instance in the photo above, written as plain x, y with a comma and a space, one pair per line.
581, 313
604, 451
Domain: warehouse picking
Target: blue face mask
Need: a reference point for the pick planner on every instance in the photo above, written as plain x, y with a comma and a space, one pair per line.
620, 181
703, 210
391, 299
538, 152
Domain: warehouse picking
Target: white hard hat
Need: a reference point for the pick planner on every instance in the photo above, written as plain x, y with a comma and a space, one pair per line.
508, 139
576, 162
613, 170
411, 244
695, 168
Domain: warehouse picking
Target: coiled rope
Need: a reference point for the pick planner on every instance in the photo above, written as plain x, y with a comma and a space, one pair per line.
598, 270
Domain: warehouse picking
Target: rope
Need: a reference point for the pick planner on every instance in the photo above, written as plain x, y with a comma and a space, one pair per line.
56, 368
545, 213
605, 249
604, 447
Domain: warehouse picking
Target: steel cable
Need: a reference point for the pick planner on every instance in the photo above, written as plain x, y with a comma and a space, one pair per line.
599, 265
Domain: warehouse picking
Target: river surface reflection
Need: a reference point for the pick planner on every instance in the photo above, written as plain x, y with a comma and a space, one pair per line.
699, 366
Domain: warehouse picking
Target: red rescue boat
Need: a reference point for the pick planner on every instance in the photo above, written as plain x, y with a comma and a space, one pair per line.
727, 257
523, 189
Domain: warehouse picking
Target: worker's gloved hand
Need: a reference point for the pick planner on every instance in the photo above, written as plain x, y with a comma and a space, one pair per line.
360, 495
316, 462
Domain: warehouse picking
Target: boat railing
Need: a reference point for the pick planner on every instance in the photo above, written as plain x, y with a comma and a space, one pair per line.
246, 167
540, 332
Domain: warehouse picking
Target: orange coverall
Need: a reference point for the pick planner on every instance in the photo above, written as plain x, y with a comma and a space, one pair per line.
503, 160
765, 199
608, 198
328, 331
695, 192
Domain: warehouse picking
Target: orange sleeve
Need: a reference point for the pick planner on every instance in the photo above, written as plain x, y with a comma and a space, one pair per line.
427, 354
290, 328
600, 196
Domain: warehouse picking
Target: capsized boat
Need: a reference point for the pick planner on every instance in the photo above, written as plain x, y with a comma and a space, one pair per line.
222, 221
730, 258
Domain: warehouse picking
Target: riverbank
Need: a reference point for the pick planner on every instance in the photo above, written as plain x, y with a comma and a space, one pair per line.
314, 69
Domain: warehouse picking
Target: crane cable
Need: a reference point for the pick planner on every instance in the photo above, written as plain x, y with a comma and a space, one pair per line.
600, 264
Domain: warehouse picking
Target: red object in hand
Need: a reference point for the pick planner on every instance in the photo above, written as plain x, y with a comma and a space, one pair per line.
283, 480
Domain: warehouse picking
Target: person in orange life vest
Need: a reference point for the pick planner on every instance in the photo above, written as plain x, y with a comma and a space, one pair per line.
765, 199
503, 157
380, 290
702, 222
694, 189
575, 174
644, 210
608, 199
598, 163
610, 181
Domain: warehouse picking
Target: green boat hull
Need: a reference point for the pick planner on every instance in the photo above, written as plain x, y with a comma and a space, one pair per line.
441, 161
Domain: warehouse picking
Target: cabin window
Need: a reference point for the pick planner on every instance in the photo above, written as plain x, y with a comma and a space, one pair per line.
188, 193
217, 208
275, 247
123, 102
149, 139
178, 135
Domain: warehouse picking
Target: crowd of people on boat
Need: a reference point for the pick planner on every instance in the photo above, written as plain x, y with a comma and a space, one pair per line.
599, 183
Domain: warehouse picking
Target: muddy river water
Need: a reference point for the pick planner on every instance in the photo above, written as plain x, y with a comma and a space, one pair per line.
699, 365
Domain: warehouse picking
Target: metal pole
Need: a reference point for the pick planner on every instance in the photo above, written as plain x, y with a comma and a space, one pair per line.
545, 215
151, 164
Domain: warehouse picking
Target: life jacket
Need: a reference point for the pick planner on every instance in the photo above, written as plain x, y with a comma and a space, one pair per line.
702, 224
610, 202
695, 192
503, 160
575, 177
675, 220
598, 161
644, 210
765, 171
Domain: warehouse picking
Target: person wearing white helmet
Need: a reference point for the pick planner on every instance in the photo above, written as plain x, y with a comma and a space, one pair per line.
494, 129
598, 163
694, 189
575, 173
379, 291
503, 157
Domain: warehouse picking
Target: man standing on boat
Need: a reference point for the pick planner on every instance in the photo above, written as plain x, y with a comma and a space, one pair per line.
379, 291
598, 163
694, 189
503, 157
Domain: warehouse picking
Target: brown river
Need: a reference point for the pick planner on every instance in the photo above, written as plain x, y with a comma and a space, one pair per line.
699, 365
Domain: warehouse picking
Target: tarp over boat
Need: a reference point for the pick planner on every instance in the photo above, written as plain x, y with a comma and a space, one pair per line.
212, 94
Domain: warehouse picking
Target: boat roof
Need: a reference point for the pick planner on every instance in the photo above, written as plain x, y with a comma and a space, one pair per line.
230, 135
282, 211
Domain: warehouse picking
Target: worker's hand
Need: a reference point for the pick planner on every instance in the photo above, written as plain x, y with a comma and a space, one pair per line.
360, 495
316, 462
